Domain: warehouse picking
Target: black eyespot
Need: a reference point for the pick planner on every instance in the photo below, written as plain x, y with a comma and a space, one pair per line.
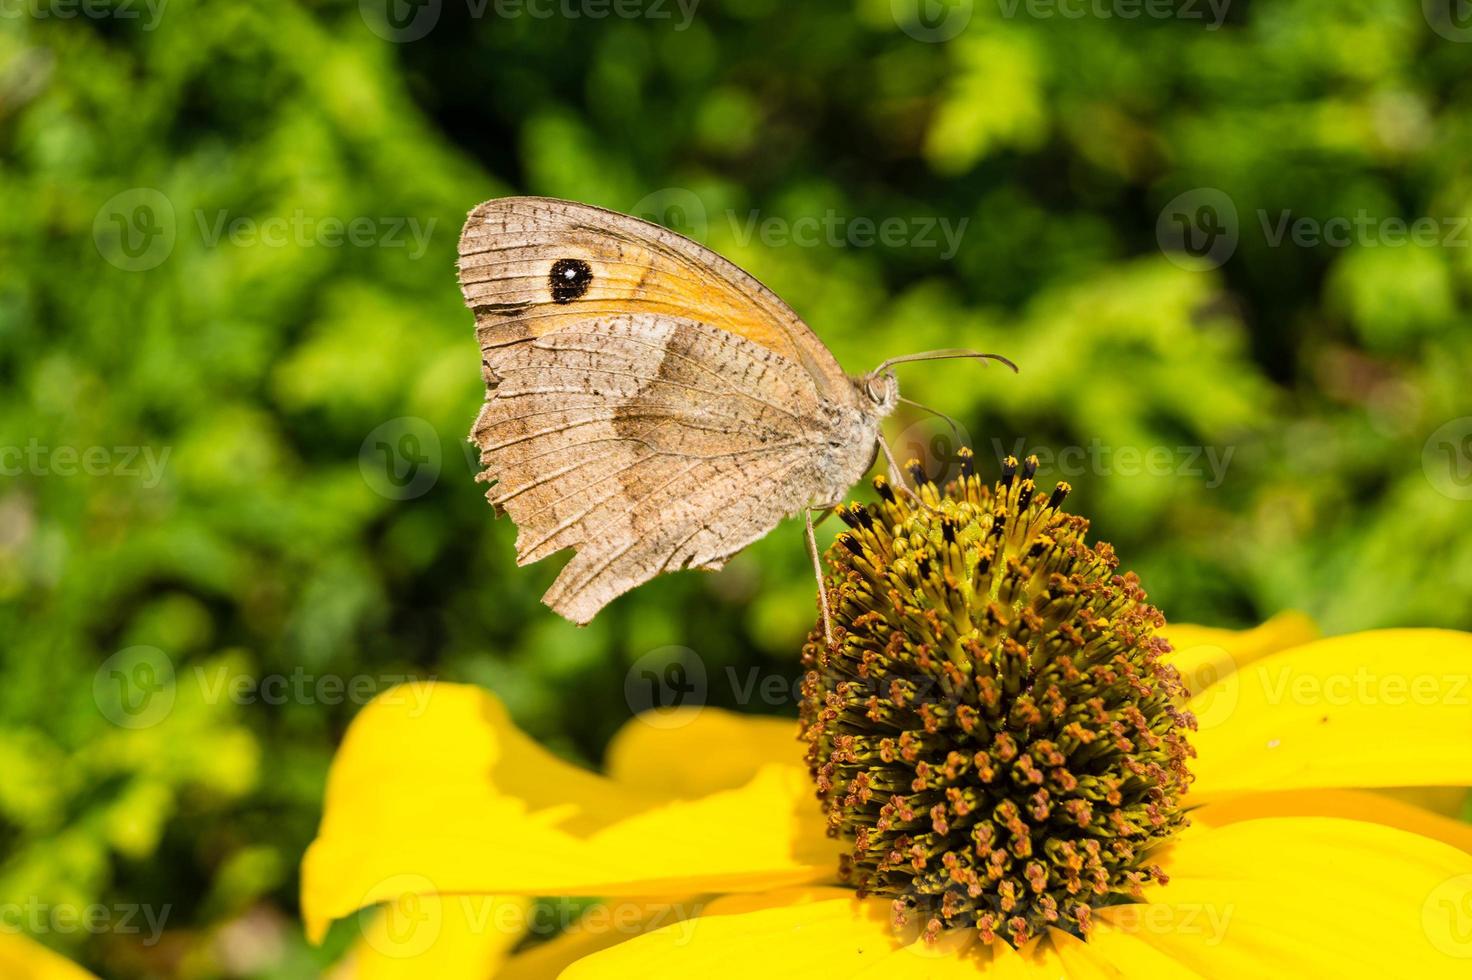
569, 279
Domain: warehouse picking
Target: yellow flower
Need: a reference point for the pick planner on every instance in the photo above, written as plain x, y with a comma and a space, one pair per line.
22, 958
713, 859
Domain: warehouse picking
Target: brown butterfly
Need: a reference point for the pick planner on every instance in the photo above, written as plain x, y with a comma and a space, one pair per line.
649, 404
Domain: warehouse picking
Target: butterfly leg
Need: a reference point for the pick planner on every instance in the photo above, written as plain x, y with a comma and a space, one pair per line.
818, 571
896, 477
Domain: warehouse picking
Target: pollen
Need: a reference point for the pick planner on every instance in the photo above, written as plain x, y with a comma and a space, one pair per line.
993, 730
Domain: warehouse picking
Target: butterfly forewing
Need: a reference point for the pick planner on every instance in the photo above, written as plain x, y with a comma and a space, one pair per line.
510, 246
644, 406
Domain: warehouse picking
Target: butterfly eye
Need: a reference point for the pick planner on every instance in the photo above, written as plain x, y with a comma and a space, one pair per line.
569, 279
883, 388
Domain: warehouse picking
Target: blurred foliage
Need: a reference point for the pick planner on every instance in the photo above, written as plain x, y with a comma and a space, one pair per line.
256, 369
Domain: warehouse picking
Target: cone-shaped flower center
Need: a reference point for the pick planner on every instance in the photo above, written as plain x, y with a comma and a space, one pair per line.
993, 727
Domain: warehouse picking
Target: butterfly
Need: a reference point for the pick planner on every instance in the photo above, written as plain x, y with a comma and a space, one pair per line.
648, 403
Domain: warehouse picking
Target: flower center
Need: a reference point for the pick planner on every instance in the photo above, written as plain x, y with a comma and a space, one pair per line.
993, 727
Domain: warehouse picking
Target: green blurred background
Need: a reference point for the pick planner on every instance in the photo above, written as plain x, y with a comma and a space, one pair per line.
237, 497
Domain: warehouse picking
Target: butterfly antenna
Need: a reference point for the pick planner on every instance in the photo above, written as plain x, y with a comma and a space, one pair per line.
954, 425
944, 354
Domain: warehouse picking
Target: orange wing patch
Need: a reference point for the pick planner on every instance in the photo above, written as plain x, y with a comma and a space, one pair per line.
529, 266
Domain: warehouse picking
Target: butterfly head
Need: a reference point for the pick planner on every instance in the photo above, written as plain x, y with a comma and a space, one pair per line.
883, 389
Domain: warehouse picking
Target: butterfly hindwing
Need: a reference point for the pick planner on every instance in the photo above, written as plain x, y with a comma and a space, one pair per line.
621, 438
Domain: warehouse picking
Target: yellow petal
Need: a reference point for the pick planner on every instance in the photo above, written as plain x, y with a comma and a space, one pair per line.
1308, 896
22, 958
806, 933
602, 926
435, 791
449, 937
1348, 803
793, 933
1279, 897
1113, 954
1206, 654
1383, 708
693, 751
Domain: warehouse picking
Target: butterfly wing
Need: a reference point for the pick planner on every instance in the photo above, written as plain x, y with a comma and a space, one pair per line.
511, 246
647, 443
665, 416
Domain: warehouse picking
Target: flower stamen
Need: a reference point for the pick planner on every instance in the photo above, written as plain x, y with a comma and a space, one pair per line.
993, 727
